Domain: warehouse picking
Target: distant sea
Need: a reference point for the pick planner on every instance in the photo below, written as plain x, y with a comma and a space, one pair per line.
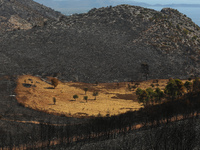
191, 12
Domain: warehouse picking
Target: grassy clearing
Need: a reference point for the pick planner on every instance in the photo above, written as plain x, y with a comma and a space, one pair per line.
113, 98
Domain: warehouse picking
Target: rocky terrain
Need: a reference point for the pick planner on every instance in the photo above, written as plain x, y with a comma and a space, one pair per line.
26, 14
107, 44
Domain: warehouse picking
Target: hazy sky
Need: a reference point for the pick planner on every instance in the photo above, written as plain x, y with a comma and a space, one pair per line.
159, 1
170, 1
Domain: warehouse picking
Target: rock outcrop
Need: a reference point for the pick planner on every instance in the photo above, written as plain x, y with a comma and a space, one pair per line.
24, 14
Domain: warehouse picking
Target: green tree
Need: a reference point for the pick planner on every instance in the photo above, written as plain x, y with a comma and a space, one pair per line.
180, 87
75, 96
85, 98
158, 94
174, 88
142, 96
188, 86
95, 94
152, 85
150, 95
85, 89
139, 91
171, 89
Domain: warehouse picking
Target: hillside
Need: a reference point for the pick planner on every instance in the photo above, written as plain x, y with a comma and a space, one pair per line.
107, 44
26, 14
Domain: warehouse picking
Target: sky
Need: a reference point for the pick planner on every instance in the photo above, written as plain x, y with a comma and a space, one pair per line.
160, 2
169, 1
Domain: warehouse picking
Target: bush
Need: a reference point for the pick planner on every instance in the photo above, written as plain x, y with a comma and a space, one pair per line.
85, 98
75, 96
54, 82
134, 87
95, 94
137, 84
157, 85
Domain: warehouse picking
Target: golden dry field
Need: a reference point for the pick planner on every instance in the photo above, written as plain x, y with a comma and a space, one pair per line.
113, 98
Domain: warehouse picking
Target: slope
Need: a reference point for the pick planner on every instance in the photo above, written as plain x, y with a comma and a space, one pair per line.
18, 14
105, 45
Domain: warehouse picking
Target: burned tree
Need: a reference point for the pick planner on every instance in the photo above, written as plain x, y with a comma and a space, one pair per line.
145, 69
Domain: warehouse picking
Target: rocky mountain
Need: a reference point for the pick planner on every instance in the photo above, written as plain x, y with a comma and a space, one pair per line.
24, 14
107, 44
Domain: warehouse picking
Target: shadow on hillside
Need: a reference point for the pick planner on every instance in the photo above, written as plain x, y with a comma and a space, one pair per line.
91, 99
72, 100
48, 88
27, 85
125, 97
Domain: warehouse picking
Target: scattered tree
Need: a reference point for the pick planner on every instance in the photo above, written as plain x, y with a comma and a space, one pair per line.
138, 91
75, 96
188, 86
150, 95
180, 87
137, 84
85, 98
171, 89
54, 100
158, 94
54, 82
174, 88
129, 87
152, 85
142, 96
134, 87
85, 89
95, 94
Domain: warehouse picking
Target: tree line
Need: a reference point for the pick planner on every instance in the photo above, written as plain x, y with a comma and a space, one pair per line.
174, 89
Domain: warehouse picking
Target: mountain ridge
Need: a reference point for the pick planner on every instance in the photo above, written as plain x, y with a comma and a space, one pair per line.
106, 45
